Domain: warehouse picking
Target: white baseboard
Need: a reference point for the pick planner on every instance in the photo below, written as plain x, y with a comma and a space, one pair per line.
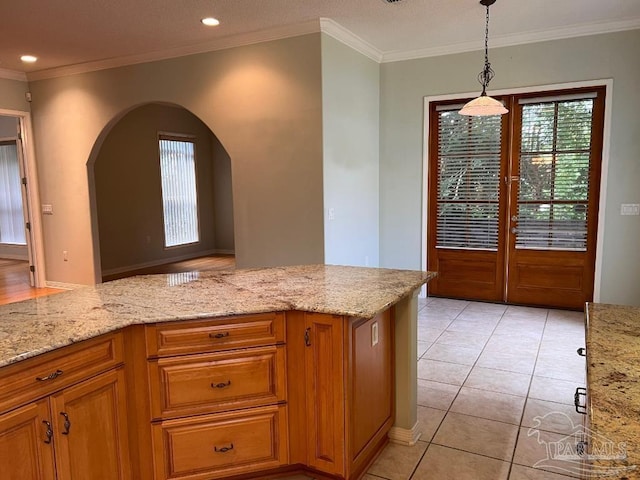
10, 251
62, 285
163, 261
405, 436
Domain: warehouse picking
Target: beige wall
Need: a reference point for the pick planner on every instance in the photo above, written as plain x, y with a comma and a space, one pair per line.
405, 84
128, 192
12, 95
262, 101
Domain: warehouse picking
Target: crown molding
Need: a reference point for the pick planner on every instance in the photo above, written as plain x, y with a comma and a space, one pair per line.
231, 41
337, 31
517, 39
13, 75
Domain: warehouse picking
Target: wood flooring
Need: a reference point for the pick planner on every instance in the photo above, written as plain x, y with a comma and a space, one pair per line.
15, 286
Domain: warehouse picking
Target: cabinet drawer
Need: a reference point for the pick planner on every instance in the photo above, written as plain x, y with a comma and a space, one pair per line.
49, 372
178, 338
220, 445
217, 381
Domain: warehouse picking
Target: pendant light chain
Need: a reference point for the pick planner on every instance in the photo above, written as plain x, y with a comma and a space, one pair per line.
487, 74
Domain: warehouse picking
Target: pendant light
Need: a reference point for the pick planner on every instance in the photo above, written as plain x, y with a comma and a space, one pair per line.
484, 104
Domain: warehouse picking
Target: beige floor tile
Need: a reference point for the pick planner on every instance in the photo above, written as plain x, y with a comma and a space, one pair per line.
495, 308
436, 395
550, 416
423, 347
453, 354
435, 321
477, 435
443, 372
442, 463
449, 303
536, 451
519, 362
428, 334
514, 343
490, 405
553, 390
467, 326
429, 419
500, 381
479, 316
397, 462
518, 472
561, 368
463, 339
526, 312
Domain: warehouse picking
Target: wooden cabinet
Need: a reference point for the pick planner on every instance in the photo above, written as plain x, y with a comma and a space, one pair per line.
218, 396
340, 390
82, 424
25, 449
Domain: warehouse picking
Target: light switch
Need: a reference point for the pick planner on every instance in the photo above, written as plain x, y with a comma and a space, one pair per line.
630, 209
374, 334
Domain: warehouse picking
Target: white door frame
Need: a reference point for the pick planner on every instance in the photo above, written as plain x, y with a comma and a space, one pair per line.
35, 242
606, 138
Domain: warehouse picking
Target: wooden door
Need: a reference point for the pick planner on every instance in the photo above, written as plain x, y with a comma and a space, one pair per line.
324, 365
26, 443
553, 208
513, 199
91, 429
466, 234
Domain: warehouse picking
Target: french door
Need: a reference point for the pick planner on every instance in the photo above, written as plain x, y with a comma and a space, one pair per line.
513, 199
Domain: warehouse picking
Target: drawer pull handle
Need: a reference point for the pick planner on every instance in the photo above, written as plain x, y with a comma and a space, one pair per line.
307, 338
221, 385
218, 335
580, 391
223, 449
67, 423
49, 432
582, 352
51, 376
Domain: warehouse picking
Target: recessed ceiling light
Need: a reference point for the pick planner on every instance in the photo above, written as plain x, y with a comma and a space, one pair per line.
210, 21
28, 58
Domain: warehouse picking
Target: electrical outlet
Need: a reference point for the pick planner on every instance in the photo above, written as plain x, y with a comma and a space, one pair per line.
630, 209
47, 209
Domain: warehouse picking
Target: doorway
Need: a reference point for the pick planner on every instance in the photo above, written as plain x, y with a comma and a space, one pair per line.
513, 200
17, 237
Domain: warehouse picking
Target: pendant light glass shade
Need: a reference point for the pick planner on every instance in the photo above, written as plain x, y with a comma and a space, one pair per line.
484, 105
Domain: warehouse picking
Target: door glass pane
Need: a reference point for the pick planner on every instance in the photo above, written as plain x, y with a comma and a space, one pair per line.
555, 157
469, 153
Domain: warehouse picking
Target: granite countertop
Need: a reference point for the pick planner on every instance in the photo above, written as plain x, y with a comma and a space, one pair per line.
613, 380
35, 326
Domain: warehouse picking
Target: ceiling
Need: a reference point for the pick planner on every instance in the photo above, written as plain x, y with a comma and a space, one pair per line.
88, 33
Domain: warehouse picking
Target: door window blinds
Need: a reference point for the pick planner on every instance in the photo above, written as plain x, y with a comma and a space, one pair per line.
12, 229
555, 158
469, 153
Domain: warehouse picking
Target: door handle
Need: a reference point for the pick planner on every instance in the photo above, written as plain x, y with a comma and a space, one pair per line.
514, 230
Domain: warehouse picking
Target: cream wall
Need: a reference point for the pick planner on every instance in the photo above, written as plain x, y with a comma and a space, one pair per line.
12, 95
262, 101
129, 195
405, 84
351, 123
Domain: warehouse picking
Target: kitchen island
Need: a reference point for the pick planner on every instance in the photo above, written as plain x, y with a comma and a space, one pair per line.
613, 390
315, 346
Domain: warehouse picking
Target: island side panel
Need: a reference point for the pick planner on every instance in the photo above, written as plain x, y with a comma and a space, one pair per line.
405, 429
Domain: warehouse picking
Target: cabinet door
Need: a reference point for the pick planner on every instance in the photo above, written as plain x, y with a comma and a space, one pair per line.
91, 429
324, 364
26, 451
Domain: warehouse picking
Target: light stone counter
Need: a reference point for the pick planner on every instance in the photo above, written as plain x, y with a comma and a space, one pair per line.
613, 382
36, 326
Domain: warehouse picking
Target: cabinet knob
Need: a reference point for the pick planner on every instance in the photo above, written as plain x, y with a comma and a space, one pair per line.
221, 385
223, 449
51, 376
218, 335
49, 432
67, 423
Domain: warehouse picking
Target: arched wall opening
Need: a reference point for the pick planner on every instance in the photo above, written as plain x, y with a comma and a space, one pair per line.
126, 195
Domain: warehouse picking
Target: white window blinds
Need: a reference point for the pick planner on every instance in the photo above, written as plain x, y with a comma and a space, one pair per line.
12, 228
179, 196
555, 158
469, 152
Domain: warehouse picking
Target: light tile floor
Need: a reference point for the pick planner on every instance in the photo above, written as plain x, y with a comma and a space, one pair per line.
487, 373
